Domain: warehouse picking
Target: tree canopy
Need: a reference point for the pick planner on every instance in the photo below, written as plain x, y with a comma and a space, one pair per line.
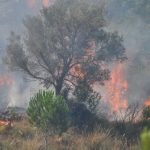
65, 43
48, 112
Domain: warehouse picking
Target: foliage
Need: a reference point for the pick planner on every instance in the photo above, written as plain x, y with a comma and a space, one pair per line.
82, 118
85, 94
130, 131
67, 36
84, 109
48, 111
146, 113
146, 116
145, 139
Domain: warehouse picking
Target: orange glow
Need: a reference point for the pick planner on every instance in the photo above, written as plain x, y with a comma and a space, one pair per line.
147, 102
5, 80
116, 90
4, 123
31, 3
77, 72
46, 3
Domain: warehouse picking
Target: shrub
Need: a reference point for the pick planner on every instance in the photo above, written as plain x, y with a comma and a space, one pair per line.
84, 120
48, 112
145, 139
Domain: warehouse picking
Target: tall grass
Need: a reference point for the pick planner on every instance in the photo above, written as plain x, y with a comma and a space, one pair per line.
25, 137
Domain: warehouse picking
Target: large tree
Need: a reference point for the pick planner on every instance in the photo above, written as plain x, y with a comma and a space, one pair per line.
65, 43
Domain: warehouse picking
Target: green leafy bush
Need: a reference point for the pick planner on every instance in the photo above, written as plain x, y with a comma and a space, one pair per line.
48, 112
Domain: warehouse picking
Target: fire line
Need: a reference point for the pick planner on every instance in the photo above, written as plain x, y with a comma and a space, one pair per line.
117, 89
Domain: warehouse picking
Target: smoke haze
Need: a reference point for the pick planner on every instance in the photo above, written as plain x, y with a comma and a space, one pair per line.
120, 16
135, 30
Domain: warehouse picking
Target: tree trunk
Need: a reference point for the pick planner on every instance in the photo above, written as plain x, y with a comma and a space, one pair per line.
58, 88
60, 81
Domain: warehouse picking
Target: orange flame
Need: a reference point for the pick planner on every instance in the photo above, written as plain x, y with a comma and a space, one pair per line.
147, 103
116, 90
4, 123
5, 80
32, 3
46, 3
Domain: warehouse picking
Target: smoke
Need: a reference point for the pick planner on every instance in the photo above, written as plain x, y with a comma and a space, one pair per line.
121, 17
12, 14
31, 3
20, 93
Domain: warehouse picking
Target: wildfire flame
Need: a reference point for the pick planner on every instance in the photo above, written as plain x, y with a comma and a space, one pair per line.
5, 80
116, 89
147, 102
46, 3
4, 123
32, 3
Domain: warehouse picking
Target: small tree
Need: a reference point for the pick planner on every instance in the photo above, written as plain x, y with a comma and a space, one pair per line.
48, 112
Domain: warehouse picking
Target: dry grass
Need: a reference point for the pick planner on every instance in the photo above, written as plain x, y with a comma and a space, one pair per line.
94, 141
25, 137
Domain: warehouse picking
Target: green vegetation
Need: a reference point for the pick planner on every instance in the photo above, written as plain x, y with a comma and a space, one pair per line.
146, 112
49, 113
145, 139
